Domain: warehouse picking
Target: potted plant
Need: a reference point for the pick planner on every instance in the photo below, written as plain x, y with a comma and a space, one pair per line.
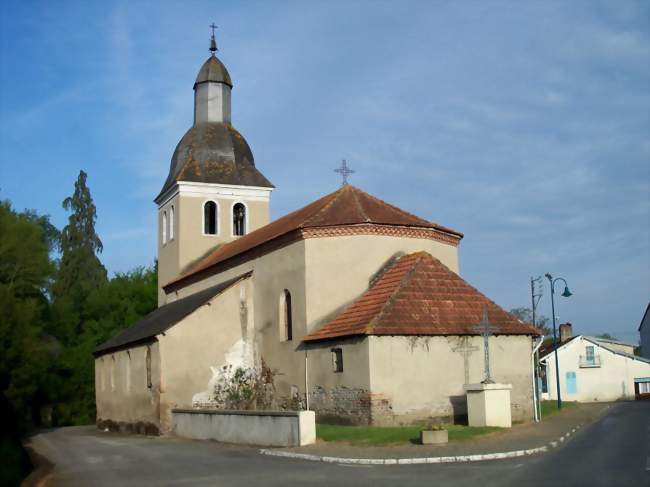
434, 434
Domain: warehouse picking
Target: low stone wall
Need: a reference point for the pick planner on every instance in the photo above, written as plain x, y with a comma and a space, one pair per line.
264, 428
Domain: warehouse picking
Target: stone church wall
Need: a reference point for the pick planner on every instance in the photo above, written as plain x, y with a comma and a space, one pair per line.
124, 400
340, 397
422, 378
194, 351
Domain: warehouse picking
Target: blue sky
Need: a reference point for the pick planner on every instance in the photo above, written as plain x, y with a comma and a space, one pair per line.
525, 125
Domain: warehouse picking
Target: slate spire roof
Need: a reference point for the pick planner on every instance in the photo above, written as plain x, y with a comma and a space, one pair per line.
347, 206
418, 295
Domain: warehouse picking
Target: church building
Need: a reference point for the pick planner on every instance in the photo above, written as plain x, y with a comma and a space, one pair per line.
356, 306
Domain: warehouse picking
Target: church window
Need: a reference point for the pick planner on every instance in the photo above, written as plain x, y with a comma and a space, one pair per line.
148, 366
112, 372
210, 218
127, 372
239, 219
286, 316
164, 228
337, 359
171, 223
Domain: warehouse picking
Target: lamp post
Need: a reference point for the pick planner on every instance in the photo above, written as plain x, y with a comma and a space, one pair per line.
566, 294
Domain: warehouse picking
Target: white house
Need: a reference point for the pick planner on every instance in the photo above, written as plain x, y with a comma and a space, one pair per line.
593, 370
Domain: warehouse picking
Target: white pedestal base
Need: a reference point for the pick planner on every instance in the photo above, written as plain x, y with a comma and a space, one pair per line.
488, 405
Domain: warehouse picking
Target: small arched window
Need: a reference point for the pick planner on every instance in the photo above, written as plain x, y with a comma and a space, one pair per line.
147, 360
164, 228
239, 219
171, 223
286, 316
210, 218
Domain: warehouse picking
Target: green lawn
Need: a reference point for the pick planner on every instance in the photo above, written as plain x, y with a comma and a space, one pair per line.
550, 407
375, 435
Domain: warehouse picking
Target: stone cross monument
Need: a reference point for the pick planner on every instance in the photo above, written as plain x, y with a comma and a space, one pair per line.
486, 331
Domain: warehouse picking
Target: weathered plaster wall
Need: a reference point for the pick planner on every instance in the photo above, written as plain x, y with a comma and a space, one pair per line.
342, 397
272, 274
219, 333
613, 380
122, 396
423, 377
339, 269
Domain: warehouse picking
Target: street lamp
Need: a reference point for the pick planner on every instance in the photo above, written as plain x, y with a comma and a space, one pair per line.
566, 294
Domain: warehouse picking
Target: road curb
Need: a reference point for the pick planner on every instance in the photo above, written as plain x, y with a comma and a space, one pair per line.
422, 460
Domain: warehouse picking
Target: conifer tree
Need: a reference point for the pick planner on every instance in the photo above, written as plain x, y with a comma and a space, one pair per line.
80, 271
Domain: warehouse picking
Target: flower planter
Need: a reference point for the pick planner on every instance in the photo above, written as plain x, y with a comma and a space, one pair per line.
434, 437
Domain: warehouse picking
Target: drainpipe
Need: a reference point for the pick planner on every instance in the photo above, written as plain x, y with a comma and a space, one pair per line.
533, 361
306, 382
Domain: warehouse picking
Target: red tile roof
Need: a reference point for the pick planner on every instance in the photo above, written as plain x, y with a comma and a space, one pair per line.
347, 206
418, 295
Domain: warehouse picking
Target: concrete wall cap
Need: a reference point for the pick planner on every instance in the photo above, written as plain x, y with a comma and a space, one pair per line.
238, 412
486, 387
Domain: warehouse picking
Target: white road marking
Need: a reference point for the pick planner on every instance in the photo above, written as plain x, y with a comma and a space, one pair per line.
647, 464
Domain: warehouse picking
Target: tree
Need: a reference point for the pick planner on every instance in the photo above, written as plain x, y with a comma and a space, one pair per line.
80, 271
109, 309
26, 240
606, 336
541, 321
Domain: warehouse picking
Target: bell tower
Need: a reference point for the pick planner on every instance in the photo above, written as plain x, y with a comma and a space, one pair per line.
213, 193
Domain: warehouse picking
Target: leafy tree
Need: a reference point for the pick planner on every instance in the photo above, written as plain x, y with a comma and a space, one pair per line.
80, 270
541, 321
109, 309
25, 351
606, 336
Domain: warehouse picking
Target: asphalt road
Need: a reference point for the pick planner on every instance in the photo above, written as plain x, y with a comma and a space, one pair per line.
614, 451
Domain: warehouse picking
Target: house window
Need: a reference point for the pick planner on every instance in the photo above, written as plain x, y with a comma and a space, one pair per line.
171, 223
286, 316
164, 228
544, 377
148, 366
239, 219
337, 359
590, 356
210, 218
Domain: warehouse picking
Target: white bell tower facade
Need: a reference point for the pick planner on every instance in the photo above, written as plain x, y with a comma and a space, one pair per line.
214, 193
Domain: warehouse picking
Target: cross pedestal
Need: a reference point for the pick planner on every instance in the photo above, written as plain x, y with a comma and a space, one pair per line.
488, 404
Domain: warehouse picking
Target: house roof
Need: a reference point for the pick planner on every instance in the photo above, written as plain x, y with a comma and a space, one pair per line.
595, 341
163, 318
644, 315
346, 206
418, 295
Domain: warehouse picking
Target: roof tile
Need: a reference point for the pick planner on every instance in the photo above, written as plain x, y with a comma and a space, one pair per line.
418, 295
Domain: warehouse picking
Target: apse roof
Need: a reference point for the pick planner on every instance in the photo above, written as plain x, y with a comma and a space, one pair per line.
418, 295
347, 206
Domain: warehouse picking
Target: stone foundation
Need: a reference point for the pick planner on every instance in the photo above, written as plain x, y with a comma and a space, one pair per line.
138, 428
345, 405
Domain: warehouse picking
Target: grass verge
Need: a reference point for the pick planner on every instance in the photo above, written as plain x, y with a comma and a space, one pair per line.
377, 435
550, 407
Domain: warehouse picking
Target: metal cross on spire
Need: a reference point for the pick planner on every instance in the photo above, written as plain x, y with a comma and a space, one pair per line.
344, 171
213, 41
486, 330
